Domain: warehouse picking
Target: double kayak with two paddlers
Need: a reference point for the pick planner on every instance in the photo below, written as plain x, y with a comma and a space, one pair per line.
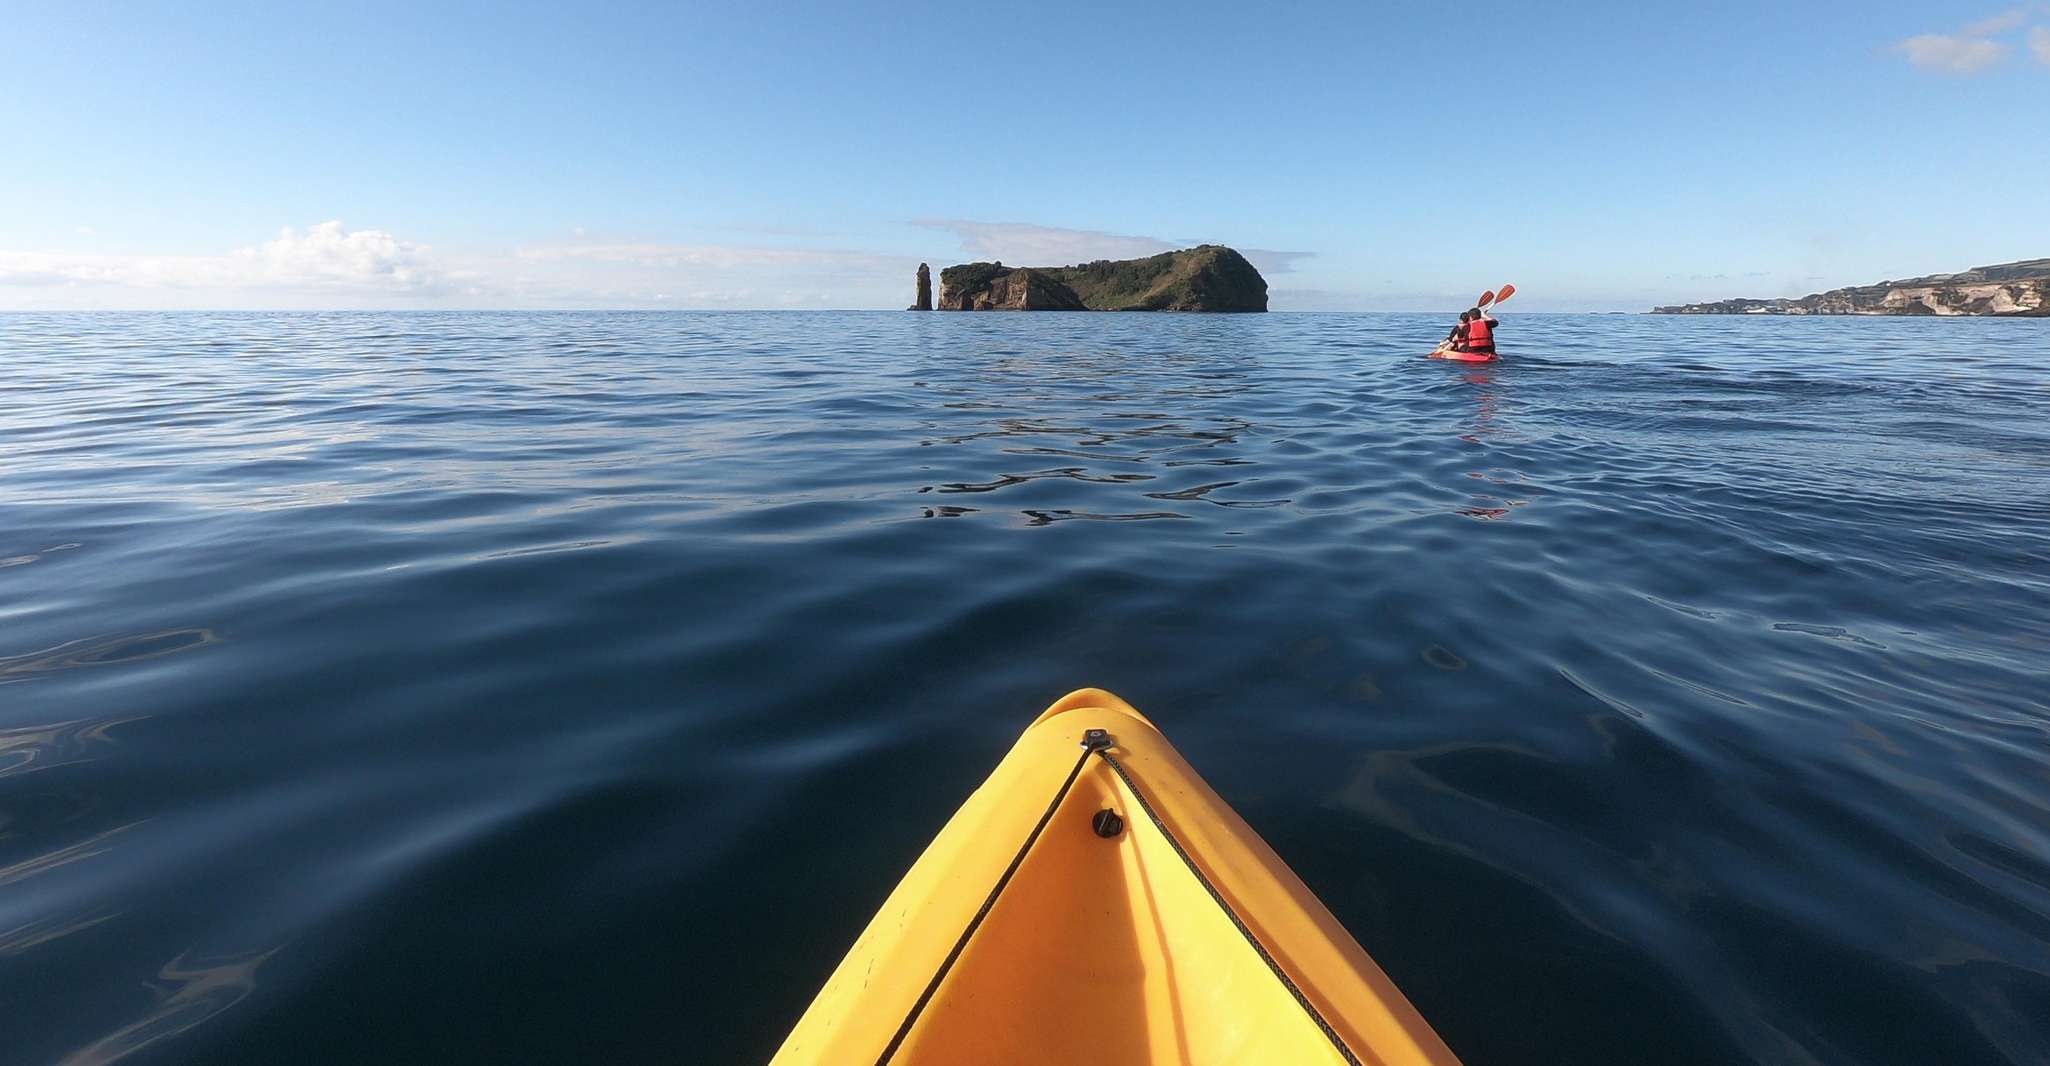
1095, 902
1449, 350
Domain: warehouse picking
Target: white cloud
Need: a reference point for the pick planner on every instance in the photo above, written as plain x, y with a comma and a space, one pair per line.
1975, 47
325, 256
328, 255
2001, 23
1024, 243
1952, 55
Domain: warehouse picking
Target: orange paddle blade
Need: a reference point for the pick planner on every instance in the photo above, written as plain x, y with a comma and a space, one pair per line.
1507, 292
1487, 298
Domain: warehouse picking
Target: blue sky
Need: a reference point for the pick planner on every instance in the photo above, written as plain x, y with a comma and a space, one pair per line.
1602, 156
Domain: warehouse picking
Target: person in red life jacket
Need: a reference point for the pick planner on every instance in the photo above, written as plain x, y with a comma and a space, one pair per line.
1477, 333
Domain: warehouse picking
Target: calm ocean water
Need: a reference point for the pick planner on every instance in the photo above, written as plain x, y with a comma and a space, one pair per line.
572, 687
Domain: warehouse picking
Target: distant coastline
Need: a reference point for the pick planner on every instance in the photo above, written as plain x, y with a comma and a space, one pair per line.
2019, 289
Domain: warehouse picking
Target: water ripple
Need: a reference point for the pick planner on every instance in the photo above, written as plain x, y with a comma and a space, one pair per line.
105, 651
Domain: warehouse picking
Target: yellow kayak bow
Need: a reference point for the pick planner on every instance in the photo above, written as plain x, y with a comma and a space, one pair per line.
1095, 902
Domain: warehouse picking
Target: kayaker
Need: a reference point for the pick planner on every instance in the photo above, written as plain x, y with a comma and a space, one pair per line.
1458, 335
1477, 333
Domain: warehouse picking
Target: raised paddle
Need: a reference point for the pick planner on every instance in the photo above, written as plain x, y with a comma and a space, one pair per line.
1507, 292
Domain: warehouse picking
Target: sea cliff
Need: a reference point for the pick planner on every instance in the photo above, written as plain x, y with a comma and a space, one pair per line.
1209, 277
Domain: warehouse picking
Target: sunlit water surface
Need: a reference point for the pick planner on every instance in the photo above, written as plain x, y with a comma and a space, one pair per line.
490, 688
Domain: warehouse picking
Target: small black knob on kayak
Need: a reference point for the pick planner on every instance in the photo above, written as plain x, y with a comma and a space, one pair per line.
1097, 739
1107, 823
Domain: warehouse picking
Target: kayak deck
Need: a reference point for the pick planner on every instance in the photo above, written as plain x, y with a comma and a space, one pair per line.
1036, 929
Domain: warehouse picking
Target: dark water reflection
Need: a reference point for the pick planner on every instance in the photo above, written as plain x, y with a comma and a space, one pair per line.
540, 688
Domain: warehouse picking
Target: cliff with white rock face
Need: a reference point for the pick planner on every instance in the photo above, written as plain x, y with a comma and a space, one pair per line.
2018, 289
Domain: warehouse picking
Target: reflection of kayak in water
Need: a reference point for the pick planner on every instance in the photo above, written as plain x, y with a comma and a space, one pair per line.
1095, 902
1463, 357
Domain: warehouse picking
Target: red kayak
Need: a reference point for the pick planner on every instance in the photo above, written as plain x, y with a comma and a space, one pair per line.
1463, 357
